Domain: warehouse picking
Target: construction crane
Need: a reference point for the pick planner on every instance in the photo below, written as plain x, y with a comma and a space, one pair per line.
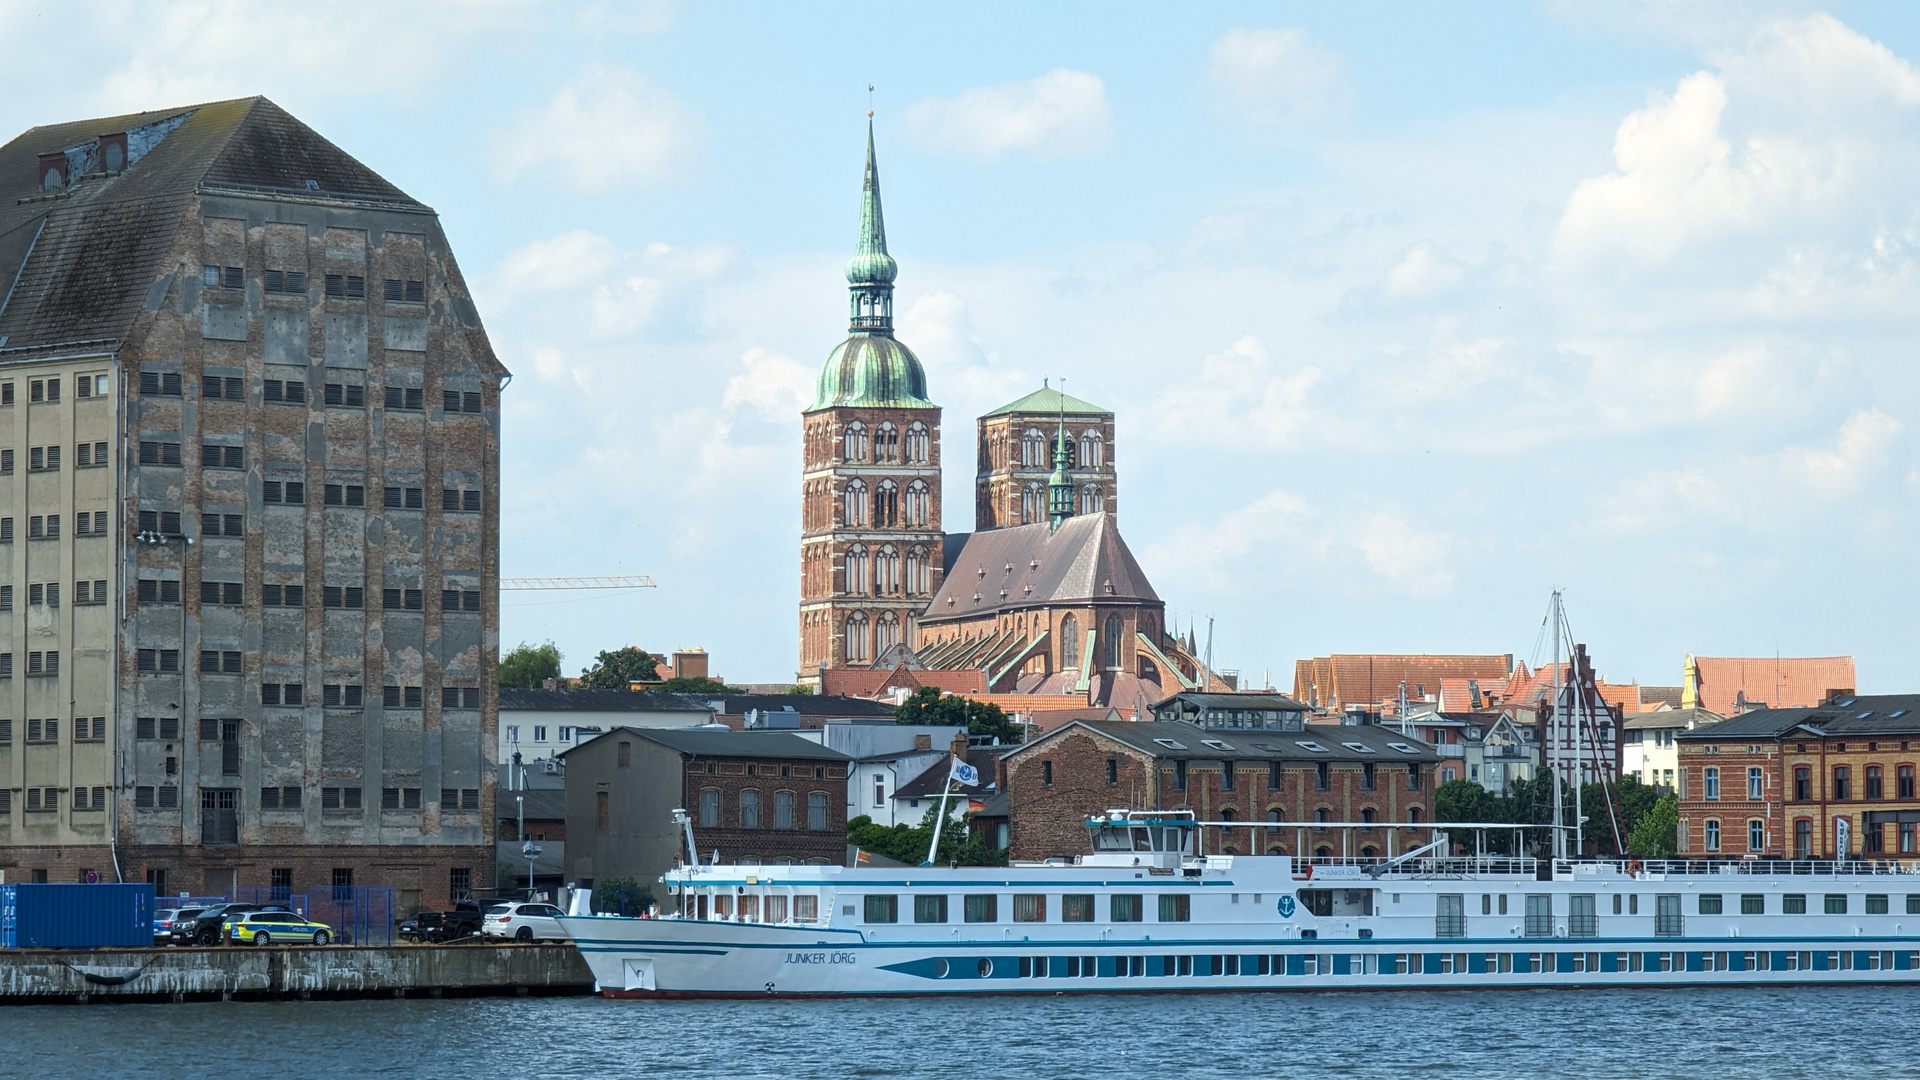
552, 583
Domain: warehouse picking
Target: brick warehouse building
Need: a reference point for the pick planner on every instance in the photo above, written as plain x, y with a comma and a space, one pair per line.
1290, 773
249, 623
1833, 781
755, 797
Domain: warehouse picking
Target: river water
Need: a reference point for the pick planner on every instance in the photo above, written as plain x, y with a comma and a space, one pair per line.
1787, 1032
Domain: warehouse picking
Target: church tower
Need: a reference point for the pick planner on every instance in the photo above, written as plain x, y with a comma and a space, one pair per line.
870, 540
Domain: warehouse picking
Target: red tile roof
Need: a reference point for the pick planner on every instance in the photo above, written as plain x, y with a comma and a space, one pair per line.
867, 683
1785, 682
1370, 678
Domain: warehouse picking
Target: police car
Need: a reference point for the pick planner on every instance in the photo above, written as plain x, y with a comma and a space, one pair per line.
276, 928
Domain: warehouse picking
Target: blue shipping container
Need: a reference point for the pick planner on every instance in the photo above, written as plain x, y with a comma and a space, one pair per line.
76, 916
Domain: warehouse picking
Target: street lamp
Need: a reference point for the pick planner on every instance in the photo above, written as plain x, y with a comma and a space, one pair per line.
532, 851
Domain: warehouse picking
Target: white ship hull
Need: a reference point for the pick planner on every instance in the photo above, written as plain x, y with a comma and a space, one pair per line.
1238, 924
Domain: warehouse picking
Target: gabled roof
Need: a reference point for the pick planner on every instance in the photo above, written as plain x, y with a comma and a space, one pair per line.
1175, 741
1084, 561
1051, 402
868, 683
86, 256
1370, 678
804, 704
521, 699
707, 742
1877, 714
930, 782
1671, 718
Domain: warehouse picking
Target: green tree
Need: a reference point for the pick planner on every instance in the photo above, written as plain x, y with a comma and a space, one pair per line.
929, 706
615, 670
1656, 834
1460, 800
800, 690
908, 843
529, 665
690, 684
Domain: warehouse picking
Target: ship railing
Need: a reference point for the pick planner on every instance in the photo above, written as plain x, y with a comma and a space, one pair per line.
1451, 866
1769, 867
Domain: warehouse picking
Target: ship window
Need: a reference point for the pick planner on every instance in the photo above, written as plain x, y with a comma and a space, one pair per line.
1124, 907
883, 909
1710, 904
1078, 907
1175, 907
982, 908
1836, 903
1029, 907
1793, 904
806, 908
929, 909
1876, 904
1753, 904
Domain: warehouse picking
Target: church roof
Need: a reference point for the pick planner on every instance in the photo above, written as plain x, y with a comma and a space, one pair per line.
1051, 402
82, 258
1030, 566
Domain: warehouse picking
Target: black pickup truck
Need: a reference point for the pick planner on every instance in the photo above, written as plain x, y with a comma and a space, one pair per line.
436, 927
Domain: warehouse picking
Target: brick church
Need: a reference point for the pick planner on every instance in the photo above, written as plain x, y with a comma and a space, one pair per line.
1042, 598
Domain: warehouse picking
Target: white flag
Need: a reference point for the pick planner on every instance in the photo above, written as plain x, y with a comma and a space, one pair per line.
966, 774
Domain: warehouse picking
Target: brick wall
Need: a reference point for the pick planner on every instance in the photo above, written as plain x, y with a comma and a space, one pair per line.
767, 843
1049, 818
1780, 810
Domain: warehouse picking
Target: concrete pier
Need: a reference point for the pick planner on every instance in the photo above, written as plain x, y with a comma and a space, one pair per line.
240, 973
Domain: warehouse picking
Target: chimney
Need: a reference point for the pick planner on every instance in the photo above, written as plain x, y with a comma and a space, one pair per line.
53, 170
923, 742
959, 747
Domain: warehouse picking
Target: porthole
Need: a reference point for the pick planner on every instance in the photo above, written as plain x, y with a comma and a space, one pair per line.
986, 968
940, 969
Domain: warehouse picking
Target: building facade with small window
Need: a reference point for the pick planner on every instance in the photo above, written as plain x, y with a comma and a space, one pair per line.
754, 796
1834, 781
1310, 773
538, 724
249, 460
1648, 749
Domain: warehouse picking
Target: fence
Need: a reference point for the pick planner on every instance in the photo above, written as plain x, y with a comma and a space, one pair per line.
358, 914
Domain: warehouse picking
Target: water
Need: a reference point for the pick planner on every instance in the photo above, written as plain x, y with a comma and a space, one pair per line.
1724, 1034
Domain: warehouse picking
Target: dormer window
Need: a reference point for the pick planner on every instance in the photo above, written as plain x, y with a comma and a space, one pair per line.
1311, 746
1359, 748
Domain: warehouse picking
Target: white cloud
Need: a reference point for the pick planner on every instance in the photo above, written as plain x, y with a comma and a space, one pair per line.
1060, 113
776, 386
606, 128
1277, 78
1421, 275
1241, 397
1795, 157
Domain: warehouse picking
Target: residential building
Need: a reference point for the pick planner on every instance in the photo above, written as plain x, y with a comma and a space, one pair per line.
249, 504
1648, 750
870, 547
1331, 683
1500, 753
1016, 444
803, 711
912, 799
884, 757
1233, 712
1731, 685
537, 725
1304, 774
754, 797
1832, 781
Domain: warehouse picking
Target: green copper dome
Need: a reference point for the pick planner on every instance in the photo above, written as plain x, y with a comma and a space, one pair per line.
870, 368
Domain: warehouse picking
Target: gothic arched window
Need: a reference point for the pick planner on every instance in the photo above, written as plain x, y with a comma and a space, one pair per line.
856, 503
857, 640
1113, 641
918, 444
919, 505
886, 633
1069, 642
856, 442
1093, 450
886, 572
1033, 449
886, 442
1033, 503
1092, 499
919, 574
859, 572
886, 505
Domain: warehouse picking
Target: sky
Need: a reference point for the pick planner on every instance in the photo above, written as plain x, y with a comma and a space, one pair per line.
1409, 314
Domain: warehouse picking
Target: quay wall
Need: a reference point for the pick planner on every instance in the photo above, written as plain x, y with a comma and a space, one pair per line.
43, 976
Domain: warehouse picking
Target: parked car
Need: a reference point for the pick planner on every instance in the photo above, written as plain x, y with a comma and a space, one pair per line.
275, 927
163, 921
204, 928
440, 926
523, 922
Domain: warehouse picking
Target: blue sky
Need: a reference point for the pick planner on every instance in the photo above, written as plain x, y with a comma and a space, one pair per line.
1410, 313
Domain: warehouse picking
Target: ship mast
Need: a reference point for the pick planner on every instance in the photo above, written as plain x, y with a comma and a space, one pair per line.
1553, 719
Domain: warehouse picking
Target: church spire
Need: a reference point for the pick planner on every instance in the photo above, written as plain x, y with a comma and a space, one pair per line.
1060, 484
871, 271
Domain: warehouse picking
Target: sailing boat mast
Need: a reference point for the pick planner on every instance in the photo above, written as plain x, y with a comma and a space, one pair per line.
1552, 733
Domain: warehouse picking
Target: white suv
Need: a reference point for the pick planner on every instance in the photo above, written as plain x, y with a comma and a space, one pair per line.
523, 922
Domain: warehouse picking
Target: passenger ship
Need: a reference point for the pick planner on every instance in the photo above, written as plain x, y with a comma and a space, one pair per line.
1144, 912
